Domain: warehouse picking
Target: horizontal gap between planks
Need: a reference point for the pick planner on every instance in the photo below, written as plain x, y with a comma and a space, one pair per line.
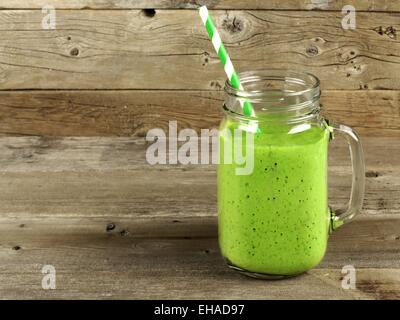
165, 89
210, 8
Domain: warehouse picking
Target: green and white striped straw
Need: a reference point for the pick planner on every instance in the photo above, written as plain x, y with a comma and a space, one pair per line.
226, 61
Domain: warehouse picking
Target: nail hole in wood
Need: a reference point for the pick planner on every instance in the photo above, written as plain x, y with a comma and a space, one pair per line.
110, 227
74, 52
124, 233
16, 248
149, 12
372, 174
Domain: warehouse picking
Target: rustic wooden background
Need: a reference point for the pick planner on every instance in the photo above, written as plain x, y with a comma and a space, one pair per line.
114, 68
76, 102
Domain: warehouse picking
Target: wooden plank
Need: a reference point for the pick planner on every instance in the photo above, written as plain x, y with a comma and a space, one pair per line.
162, 258
134, 112
95, 113
176, 191
115, 227
128, 50
110, 177
33, 154
383, 5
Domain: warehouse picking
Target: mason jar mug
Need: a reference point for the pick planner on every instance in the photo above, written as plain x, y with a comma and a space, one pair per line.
273, 212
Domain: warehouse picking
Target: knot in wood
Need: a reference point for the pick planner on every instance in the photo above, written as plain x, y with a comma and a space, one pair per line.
233, 25
312, 51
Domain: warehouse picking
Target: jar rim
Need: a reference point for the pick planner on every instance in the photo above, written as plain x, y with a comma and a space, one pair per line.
310, 83
275, 95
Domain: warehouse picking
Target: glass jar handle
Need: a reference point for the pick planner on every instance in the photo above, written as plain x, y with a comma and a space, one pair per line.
342, 216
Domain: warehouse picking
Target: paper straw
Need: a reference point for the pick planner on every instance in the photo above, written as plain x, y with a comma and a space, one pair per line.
224, 57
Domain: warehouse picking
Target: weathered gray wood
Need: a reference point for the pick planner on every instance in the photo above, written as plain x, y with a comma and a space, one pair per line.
133, 113
125, 49
114, 227
381, 5
163, 258
176, 191
106, 177
33, 154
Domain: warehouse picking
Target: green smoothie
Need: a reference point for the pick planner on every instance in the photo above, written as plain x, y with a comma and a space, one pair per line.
276, 220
